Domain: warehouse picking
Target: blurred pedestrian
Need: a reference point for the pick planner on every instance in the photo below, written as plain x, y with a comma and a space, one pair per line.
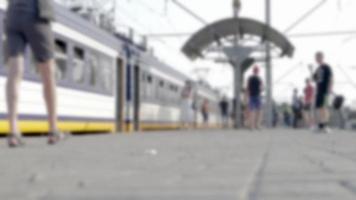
29, 22
286, 115
205, 112
339, 112
297, 108
187, 105
254, 89
308, 103
224, 109
323, 77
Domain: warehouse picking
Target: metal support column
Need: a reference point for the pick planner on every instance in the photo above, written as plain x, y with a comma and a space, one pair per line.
269, 82
236, 56
237, 71
237, 94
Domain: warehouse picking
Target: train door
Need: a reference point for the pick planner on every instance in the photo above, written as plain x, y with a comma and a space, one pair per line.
137, 97
120, 95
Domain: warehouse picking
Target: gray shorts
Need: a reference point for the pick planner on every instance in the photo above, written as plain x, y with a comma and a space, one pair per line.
23, 30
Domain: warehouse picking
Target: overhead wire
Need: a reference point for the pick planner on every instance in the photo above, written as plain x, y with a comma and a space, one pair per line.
305, 16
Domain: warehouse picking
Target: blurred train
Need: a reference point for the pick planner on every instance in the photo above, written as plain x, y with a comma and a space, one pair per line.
106, 83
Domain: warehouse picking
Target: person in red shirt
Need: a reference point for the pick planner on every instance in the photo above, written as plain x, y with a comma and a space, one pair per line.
309, 92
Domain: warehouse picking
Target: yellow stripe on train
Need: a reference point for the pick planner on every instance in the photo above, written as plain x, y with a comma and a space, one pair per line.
29, 126
34, 126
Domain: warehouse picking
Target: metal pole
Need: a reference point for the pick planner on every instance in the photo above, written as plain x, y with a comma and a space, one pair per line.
237, 77
269, 83
237, 91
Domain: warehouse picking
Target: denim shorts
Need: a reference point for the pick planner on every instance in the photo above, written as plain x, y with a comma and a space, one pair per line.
255, 103
26, 29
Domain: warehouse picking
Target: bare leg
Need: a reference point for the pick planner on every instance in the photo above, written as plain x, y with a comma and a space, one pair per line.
47, 71
311, 118
307, 118
12, 91
258, 119
325, 115
252, 119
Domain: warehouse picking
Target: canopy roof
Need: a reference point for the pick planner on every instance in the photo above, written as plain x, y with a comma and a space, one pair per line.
228, 27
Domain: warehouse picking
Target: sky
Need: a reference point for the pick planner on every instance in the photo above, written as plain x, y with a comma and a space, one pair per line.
162, 16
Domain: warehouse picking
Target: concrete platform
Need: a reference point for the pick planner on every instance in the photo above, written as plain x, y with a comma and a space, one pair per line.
195, 165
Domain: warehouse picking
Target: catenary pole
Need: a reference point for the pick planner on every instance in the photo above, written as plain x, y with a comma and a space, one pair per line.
237, 71
269, 83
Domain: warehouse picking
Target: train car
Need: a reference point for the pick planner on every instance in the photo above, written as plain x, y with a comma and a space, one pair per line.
159, 94
89, 62
156, 100
159, 97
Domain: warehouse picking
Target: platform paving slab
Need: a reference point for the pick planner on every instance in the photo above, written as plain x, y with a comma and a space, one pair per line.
212, 164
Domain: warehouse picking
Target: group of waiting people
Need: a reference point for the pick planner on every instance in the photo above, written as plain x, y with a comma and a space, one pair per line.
312, 109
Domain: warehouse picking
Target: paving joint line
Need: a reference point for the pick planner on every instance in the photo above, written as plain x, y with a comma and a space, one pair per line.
253, 185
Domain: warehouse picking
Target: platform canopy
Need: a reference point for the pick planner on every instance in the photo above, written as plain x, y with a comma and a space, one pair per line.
195, 46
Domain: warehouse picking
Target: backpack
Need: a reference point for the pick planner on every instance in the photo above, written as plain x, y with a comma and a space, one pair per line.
338, 102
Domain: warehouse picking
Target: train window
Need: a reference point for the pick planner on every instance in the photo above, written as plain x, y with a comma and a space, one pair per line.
161, 84
149, 79
162, 90
143, 84
106, 75
93, 69
78, 65
149, 86
61, 59
143, 77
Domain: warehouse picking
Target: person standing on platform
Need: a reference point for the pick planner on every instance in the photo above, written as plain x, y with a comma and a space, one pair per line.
308, 103
205, 112
254, 89
187, 105
323, 78
296, 108
224, 109
29, 22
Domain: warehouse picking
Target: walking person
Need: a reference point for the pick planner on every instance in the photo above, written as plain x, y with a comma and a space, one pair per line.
205, 112
323, 77
308, 103
286, 115
224, 109
29, 22
187, 105
254, 89
297, 107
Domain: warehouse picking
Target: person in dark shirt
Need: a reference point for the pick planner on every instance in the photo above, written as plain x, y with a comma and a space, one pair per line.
323, 78
224, 108
28, 22
205, 109
254, 89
